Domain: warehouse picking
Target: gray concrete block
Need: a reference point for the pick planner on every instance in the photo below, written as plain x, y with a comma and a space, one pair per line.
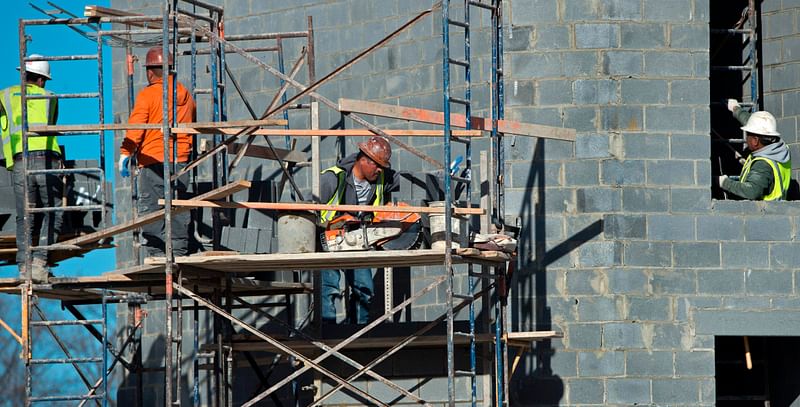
767, 228
629, 392
624, 226
598, 364
690, 36
751, 323
667, 119
690, 200
697, 254
649, 309
583, 172
519, 93
675, 391
737, 207
675, 281
519, 39
720, 282
627, 281
579, 10
555, 92
665, 336
670, 227
535, 65
668, 64
592, 309
592, 146
769, 282
672, 11
638, 146
643, 36
644, 91
690, 92
522, 175
594, 91
535, 11
648, 254
579, 63
623, 118
599, 200
739, 254
719, 228
550, 37
779, 24
693, 146
620, 10
673, 173
600, 254
649, 364
585, 336
628, 172
597, 35
747, 303
585, 391
582, 119
583, 282
623, 63
555, 200
622, 336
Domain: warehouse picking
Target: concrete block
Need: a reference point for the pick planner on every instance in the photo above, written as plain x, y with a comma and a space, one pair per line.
579, 63
689, 146
628, 172
519, 93
667, 119
603, 91
519, 39
690, 200
689, 36
555, 92
624, 226
522, 175
769, 282
648, 254
629, 392
649, 309
672, 11
535, 65
620, 10
674, 281
675, 391
638, 146
751, 323
719, 228
599, 200
644, 91
536, 11
622, 336
720, 282
598, 364
649, 364
735, 207
698, 254
666, 336
592, 309
585, 391
583, 172
550, 37
600, 254
585, 282
670, 227
767, 228
779, 24
738, 254
622, 118
592, 146
673, 173
668, 64
643, 36
748, 303
585, 336
579, 10
627, 281
555, 200
597, 35
623, 63
582, 119
690, 92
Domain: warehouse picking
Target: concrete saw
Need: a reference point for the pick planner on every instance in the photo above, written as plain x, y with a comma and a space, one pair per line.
373, 231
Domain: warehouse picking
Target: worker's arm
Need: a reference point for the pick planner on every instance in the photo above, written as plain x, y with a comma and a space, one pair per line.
139, 115
741, 115
327, 186
757, 186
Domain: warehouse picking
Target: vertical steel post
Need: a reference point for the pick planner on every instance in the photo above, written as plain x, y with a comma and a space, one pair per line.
102, 135
105, 349
170, 258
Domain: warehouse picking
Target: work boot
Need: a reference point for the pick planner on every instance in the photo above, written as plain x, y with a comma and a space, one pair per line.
39, 271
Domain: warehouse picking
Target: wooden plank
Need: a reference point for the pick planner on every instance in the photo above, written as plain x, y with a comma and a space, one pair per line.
218, 193
229, 127
328, 132
318, 207
98, 11
456, 120
293, 156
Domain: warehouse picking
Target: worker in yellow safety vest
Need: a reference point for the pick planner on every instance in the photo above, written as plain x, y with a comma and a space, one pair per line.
363, 178
44, 190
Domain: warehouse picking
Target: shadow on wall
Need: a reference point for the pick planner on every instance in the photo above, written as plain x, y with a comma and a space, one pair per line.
530, 309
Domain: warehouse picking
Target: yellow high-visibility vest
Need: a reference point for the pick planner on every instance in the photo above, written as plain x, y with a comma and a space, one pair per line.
781, 173
326, 215
40, 112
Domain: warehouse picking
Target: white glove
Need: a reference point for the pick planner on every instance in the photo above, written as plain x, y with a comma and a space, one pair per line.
124, 171
722, 179
733, 104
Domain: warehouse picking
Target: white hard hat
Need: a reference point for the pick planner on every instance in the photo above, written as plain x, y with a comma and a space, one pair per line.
762, 123
38, 67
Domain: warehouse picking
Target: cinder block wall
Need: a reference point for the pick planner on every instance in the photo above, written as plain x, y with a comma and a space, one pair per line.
622, 248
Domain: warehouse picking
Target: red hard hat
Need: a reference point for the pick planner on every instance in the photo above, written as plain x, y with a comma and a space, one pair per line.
155, 57
378, 149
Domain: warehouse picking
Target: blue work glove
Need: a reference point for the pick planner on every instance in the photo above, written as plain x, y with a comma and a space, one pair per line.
124, 171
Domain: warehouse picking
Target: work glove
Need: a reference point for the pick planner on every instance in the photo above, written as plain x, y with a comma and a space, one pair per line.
721, 179
733, 104
124, 171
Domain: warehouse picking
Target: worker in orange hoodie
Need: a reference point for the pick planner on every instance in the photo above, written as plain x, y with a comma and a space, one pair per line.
148, 147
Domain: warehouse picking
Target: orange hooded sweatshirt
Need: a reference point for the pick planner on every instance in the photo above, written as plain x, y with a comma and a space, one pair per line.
148, 145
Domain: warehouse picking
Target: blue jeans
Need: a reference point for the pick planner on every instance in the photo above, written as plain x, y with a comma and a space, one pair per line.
44, 190
361, 288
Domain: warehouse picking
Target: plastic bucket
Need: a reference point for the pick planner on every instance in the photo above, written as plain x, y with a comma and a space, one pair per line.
297, 232
437, 225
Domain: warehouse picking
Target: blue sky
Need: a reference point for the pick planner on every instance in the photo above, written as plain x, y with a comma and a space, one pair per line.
68, 77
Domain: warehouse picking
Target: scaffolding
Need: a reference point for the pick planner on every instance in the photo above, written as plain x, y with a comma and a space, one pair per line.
216, 282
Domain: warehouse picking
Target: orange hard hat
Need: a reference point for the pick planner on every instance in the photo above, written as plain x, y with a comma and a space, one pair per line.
155, 57
378, 149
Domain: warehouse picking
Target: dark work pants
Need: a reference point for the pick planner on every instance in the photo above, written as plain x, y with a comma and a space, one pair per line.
44, 190
151, 189
362, 290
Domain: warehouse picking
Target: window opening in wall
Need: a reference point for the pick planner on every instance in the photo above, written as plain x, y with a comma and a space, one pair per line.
769, 378
734, 74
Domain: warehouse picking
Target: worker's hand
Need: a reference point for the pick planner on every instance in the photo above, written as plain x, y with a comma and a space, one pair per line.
721, 179
124, 171
733, 104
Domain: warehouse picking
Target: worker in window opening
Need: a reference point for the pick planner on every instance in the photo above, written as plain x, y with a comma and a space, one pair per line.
767, 171
363, 178
148, 147
44, 190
